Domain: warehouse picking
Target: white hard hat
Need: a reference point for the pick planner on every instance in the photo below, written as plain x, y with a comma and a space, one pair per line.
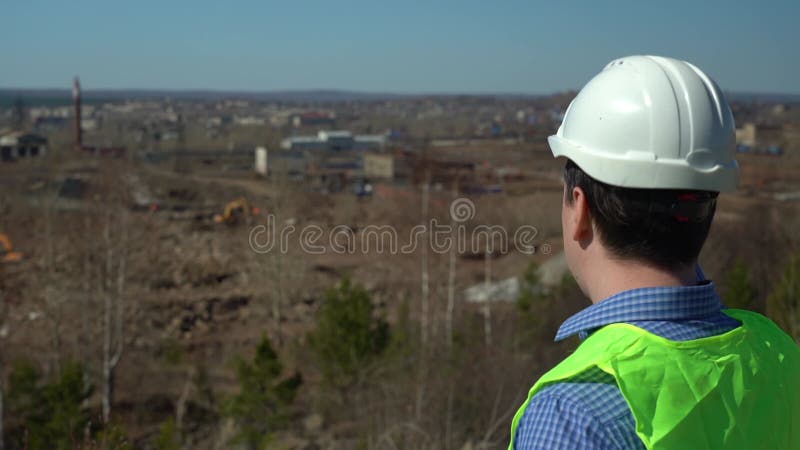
651, 122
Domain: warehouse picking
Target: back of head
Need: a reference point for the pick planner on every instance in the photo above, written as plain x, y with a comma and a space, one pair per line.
650, 141
665, 228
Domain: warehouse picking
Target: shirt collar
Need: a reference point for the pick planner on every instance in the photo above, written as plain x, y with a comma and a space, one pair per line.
668, 303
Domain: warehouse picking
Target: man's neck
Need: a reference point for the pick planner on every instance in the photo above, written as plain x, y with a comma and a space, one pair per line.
615, 276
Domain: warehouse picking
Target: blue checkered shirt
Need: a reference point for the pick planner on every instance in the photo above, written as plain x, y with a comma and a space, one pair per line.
589, 412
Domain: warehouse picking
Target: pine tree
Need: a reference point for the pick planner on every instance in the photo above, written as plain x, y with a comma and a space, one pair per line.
51, 415
168, 437
533, 302
263, 404
739, 290
349, 335
784, 302
536, 304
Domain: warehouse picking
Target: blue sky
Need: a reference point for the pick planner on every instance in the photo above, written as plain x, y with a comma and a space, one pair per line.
437, 46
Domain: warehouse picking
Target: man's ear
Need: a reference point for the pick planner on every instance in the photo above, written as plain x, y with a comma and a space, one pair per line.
581, 217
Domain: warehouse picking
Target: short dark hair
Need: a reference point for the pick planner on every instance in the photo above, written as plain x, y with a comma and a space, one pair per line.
665, 228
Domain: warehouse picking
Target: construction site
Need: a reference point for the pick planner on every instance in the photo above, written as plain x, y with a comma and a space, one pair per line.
132, 254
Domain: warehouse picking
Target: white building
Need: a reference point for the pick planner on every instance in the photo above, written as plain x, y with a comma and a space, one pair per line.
335, 140
261, 161
301, 143
249, 121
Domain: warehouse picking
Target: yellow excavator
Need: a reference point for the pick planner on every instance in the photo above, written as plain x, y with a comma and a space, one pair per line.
235, 211
9, 255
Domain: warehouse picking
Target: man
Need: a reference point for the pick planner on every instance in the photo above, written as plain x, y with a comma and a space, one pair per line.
662, 364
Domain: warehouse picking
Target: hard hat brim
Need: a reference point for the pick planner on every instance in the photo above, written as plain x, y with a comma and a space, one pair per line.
644, 170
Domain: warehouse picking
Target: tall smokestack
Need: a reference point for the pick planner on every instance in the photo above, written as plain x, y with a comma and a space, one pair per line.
76, 100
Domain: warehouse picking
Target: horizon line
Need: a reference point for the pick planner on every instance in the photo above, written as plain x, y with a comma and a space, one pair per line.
284, 90
227, 91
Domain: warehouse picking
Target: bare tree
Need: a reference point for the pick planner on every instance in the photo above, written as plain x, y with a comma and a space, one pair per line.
180, 404
425, 297
280, 190
112, 253
451, 278
277, 300
424, 300
52, 301
87, 296
487, 305
113, 294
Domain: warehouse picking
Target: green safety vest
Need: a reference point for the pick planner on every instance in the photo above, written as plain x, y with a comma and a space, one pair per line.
736, 390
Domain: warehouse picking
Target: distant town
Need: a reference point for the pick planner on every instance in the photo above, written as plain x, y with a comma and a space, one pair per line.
335, 140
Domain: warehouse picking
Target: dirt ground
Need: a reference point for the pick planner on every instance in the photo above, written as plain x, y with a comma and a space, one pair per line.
196, 293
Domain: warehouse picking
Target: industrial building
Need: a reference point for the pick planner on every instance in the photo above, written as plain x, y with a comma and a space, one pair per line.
761, 138
341, 140
746, 134
19, 145
379, 166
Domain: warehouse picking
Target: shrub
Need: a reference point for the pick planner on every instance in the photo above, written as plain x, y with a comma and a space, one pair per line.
50, 415
349, 334
263, 403
739, 291
784, 301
